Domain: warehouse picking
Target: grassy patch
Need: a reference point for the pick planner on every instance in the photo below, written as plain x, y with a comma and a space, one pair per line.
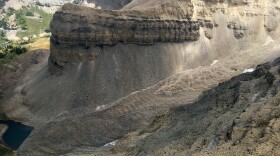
34, 25
39, 43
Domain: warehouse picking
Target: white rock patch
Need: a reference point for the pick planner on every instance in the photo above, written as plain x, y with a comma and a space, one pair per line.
268, 41
214, 62
102, 107
250, 70
111, 143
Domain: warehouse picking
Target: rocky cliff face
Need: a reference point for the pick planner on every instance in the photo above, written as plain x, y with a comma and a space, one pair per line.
110, 4
85, 28
123, 50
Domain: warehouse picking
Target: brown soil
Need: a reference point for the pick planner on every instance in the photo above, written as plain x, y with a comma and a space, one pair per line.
12, 71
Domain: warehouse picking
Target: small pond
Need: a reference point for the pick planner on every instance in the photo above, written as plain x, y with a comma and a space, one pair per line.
16, 133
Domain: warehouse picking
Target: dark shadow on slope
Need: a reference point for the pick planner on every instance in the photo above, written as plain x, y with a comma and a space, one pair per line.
211, 119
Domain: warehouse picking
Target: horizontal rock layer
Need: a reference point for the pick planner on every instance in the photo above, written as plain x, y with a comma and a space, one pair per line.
108, 28
110, 4
112, 31
76, 30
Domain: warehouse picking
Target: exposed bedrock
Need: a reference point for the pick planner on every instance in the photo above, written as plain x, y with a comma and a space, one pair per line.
109, 4
90, 28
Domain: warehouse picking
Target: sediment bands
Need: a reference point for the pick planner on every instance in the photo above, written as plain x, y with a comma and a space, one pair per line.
92, 27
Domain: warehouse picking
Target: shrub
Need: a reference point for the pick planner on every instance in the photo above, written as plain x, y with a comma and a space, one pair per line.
11, 51
20, 19
2, 34
19, 50
2, 54
10, 11
4, 22
29, 13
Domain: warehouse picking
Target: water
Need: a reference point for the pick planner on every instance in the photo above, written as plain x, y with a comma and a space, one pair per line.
15, 134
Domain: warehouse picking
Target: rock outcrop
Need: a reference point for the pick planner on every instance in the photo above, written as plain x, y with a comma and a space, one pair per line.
109, 4
75, 26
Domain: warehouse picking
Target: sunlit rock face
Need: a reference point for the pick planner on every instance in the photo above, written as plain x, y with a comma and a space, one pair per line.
86, 28
109, 4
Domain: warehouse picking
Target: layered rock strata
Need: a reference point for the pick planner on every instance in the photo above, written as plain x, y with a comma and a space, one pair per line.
111, 30
109, 4
73, 27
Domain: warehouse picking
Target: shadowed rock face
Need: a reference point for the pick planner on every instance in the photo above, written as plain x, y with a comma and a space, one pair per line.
239, 116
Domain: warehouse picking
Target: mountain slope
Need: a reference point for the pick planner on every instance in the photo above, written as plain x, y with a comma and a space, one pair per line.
238, 117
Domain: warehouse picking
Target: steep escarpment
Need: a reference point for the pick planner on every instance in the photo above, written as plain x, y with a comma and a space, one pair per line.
118, 52
75, 26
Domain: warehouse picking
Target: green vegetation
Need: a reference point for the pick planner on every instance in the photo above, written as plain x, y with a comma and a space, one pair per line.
29, 13
2, 3
9, 63
11, 51
33, 20
8, 54
4, 22
4, 151
20, 20
10, 11
2, 38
